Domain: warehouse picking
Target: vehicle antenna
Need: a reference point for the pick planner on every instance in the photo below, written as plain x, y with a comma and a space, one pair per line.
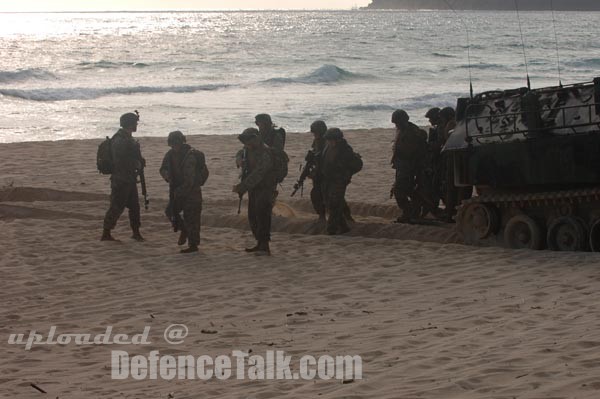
523, 44
556, 42
468, 44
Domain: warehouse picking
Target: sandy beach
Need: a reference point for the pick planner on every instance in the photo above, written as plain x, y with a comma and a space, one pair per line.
431, 318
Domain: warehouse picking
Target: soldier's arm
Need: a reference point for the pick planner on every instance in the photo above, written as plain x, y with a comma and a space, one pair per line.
189, 176
239, 158
259, 172
164, 168
204, 173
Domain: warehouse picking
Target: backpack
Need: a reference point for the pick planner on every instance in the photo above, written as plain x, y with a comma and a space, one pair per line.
355, 163
201, 169
281, 132
280, 164
104, 159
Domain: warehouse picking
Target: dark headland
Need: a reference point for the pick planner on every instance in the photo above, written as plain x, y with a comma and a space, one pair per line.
530, 5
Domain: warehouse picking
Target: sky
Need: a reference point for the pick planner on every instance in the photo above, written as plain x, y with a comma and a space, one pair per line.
135, 5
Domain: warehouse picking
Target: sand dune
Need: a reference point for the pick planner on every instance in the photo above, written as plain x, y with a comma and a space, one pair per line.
431, 318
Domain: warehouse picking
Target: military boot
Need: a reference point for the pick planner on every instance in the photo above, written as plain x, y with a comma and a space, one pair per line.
182, 238
263, 249
191, 249
254, 248
106, 236
137, 235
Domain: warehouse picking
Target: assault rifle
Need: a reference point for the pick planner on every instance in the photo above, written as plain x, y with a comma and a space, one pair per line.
143, 177
309, 166
173, 211
243, 175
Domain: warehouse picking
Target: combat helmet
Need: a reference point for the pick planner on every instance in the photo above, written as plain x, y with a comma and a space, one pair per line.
400, 117
129, 120
175, 138
334, 134
318, 127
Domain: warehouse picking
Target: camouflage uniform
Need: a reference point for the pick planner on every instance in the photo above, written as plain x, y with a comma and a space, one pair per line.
186, 172
273, 139
316, 194
336, 177
260, 185
170, 170
451, 194
409, 151
127, 161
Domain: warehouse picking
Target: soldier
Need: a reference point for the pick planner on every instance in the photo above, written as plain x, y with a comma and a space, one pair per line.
409, 151
434, 120
431, 168
127, 161
451, 194
318, 128
259, 181
338, 165
269, 133
184, 168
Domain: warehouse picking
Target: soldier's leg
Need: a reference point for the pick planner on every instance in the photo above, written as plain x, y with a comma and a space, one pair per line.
118, 202
252, 212
316, 197
402, 191
347, 212
192, 214
135, 220
264, 212
335, 198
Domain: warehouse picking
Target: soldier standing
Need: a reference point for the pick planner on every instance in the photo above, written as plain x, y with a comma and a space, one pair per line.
127, 162
431, 169
339, 164
409, 152
318, 129
451, 195
271, 135
259, 181
184, 168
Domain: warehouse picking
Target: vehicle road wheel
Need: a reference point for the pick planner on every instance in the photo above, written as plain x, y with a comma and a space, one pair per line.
479, 221
522, 232
595, 236
567, 234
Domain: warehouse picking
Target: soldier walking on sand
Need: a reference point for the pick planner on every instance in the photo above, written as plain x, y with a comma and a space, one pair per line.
339, 164
127, 161
259, 181
184, 168
409, 152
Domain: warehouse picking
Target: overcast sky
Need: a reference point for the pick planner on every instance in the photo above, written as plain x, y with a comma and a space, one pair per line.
132, 5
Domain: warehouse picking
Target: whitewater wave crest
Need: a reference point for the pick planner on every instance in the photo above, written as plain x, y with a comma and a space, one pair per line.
110, 65
441, 100
65, 94
21, 75
325, 74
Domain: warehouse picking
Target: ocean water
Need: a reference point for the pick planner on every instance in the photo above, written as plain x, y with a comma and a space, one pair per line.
70, 76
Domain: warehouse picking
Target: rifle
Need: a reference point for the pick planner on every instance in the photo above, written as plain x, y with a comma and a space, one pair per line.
143, 177
173, 212
243, 175
309, 166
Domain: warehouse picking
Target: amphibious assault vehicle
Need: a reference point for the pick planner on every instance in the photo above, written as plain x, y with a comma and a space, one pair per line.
533, 157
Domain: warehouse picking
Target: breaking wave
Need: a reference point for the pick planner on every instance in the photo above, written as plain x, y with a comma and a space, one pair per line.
110, 64
411, 104
326, 74
64, 94
21, 75
370, 107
